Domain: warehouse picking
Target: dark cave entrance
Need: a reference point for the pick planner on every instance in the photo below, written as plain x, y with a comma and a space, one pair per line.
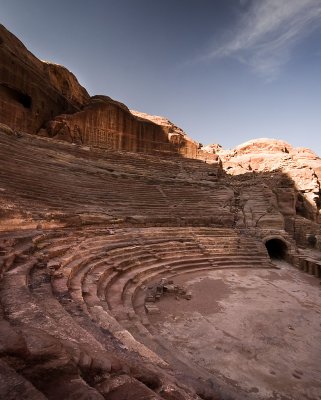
312, 241
276, 248
16, 95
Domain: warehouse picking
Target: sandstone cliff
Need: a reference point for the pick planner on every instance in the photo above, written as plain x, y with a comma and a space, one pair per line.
177, 137
44, 98
106, 123
33, 92
66, 83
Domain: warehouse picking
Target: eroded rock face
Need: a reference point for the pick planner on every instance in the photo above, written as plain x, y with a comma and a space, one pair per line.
260, 209
292, 202
108, 124
301, 165
45, 98
31, 91
177, 137
66, 83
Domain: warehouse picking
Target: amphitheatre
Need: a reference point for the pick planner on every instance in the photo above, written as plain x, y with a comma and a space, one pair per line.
137, 264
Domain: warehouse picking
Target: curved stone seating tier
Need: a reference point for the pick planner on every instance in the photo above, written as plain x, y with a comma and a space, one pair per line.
82, 345
44, 315
106, 272
96, 186
107, 269
85, 289
308, 263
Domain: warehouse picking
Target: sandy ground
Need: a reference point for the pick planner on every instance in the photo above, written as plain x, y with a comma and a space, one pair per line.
259, 330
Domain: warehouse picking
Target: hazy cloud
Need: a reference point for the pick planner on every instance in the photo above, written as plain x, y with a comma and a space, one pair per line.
243, 3
267, 33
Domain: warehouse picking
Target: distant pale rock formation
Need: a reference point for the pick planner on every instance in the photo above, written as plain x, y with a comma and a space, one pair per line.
300, 164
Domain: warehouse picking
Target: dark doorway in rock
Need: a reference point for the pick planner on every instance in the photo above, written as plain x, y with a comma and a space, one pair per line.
11, 94
276, 248
312, 240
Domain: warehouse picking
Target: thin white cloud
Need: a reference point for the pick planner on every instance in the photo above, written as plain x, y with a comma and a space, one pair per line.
268, 32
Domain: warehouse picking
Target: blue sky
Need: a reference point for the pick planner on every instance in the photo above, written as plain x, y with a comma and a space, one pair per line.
226, 71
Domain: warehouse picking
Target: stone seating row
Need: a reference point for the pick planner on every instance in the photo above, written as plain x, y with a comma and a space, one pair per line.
76, 188
26, 283
112, 266
95, 277
102, 279
308, 264
113, 161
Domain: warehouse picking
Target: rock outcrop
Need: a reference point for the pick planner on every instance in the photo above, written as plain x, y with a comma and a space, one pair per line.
177, 137
44, 98
108, 124
33, 92
300, 202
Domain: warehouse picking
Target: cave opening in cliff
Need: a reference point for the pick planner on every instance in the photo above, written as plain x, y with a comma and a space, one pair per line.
10, 93
276, 248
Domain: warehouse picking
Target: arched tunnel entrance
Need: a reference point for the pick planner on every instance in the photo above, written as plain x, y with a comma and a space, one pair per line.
276, 248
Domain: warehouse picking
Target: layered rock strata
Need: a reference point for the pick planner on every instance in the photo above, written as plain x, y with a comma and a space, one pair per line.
177, 137
108, 124
44, 98
33, 92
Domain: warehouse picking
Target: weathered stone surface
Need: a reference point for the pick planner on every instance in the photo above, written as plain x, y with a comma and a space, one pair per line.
108, 124
31, 91
66, 83
260, 208
14, 386
300, 165
124, 387
177, 137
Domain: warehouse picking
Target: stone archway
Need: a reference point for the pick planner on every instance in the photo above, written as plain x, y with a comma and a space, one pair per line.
277, 248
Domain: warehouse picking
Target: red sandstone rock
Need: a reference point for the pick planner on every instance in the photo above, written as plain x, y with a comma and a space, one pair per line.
66, 83
177, 137
106, 123
263, 146
42, 97
31, 91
